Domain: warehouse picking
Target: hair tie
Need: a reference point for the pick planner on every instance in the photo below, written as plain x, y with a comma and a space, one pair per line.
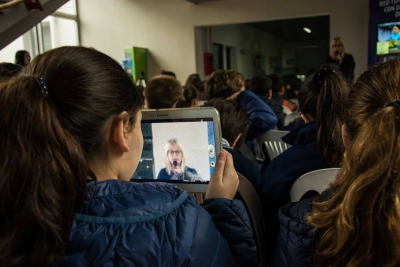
394, 103
42, 83
320, 75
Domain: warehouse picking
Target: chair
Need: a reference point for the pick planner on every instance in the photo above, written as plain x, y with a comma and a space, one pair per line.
273, 143
254, 209
317, 180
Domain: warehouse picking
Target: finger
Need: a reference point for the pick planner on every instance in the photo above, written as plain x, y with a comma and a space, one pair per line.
220, 166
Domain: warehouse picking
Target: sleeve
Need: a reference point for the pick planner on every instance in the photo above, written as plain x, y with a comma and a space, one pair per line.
261, 116
232, 221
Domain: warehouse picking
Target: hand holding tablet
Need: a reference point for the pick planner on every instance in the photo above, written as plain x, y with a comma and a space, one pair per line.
224, 181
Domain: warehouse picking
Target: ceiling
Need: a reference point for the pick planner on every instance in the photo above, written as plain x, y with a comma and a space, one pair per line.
291, 30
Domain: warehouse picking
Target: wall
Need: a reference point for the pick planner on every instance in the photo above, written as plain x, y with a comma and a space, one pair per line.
166, 27
289, 52
248, 42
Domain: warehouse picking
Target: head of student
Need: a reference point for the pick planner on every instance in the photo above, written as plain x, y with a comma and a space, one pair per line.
189, 98
175, 156
362, 216
234, 120
163, 91
69, 119
261, 85
322, 99
224, 83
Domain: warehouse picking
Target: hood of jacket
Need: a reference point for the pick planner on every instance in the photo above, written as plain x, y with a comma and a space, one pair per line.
302, 135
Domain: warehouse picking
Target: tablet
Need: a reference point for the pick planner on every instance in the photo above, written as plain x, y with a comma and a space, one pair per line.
180, 146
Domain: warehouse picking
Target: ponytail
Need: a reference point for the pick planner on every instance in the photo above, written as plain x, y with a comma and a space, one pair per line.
363, 215
322, 98
43, 171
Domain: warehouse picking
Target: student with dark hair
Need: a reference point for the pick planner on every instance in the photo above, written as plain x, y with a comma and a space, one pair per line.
262, 86
234, 126
168, 73
65, 197
22, 58
195, 81
189, 98
9, 70
163, 91
229, 84
355, 222
314, 145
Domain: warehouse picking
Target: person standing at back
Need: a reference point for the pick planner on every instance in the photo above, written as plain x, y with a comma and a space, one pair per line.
65, 197
22, 58
342, 59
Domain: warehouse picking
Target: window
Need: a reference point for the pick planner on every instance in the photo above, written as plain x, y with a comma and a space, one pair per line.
59, 29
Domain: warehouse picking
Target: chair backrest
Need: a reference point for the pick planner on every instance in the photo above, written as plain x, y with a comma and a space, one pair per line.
253, 205
317, 180
273, 142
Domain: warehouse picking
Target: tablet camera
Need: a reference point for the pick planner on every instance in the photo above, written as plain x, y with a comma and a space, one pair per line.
211, 151
212, 163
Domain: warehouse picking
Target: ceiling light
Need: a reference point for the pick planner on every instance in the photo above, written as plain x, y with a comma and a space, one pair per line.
307, 30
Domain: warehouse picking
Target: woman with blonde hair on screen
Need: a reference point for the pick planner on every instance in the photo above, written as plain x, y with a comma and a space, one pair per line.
175, 164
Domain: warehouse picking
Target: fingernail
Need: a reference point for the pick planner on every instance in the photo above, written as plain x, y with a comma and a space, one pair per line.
222, 155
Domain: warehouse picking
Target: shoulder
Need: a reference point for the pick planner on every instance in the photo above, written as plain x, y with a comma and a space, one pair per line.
163, 175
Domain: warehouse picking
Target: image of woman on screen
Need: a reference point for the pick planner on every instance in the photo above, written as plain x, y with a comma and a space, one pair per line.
175, 167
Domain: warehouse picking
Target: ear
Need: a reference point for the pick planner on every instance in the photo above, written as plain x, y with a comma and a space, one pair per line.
269, 94
305, 118
233, 144
119, 136
346, 136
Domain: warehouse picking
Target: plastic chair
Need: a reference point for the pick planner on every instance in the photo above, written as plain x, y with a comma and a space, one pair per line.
273, 142
254, 209
317, 181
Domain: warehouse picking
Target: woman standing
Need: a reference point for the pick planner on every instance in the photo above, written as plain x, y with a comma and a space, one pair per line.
339, 57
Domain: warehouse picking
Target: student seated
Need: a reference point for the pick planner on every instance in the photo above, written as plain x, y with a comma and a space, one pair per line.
356, 221
234, 125
65, 196
189, 98
262, 86
314, 145
229, 84
163, 91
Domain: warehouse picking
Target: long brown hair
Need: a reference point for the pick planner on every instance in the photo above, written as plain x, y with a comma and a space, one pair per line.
322, 98
360, 222
49, 137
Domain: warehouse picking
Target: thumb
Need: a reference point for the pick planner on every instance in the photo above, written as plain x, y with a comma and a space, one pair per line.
220, 166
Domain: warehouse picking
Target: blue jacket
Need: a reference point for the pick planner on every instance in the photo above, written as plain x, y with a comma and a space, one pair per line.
297, 160
296, 242
156, 224
283, 171
277, 109
261, 116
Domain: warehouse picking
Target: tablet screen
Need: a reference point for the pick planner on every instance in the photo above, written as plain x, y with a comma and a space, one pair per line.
177, 150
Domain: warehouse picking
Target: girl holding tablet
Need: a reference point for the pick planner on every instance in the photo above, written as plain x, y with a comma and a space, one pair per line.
72, 143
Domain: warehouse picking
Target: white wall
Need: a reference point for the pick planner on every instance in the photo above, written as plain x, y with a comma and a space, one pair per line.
166, 27
248, 42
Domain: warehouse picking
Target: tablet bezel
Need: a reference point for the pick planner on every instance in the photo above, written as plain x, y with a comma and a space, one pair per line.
182, 114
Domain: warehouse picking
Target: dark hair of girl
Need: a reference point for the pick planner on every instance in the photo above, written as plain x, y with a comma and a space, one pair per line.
56, 126
322, 98
189, 95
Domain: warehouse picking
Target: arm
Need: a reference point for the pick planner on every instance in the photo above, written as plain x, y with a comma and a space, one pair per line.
261, 116
231, 219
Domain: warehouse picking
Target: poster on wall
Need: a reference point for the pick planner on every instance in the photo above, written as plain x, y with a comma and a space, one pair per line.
384, 31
